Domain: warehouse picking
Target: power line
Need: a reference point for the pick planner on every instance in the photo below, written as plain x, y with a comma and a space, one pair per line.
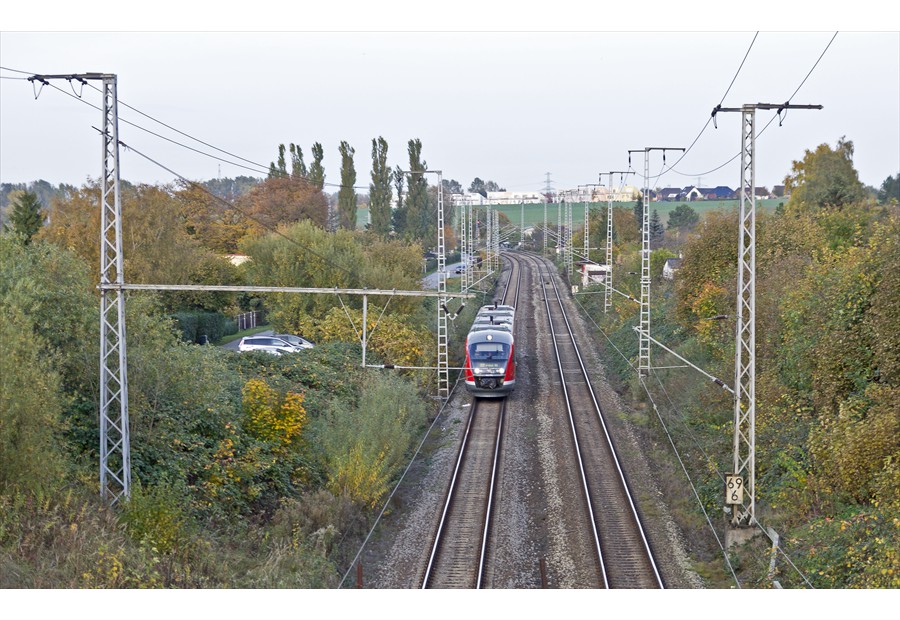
776, 115
261, 168
727, 90
690, 482
183, 133
153, 133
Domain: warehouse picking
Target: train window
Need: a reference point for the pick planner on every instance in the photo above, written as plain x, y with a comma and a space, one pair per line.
483, 351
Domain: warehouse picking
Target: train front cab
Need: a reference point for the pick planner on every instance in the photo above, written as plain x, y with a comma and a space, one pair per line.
490, 363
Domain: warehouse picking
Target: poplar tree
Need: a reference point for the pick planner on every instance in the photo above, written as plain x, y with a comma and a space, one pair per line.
398, 217
278, 169
316, 171
347, 195
417, 203
298, 168
380, 188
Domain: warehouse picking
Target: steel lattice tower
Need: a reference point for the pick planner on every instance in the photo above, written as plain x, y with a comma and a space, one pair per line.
570, 241
468, 275
745, 332
442, 332
115, 445
607, 294
463, 247
587, 237
744, 441
546, 225
443, 356
644, 330
644, 344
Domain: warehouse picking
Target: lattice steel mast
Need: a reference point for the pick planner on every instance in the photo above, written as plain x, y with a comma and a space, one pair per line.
115, 445
744, 440
607, 295
644, 332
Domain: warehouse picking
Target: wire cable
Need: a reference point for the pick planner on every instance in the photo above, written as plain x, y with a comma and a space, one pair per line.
776, 115
691, 482
261, 169
709, 120
153, 133
709, 460
412, 460
122, 103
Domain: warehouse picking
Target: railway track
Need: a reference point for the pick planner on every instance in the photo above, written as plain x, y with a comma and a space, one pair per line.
615, 550
459, 553
624, 558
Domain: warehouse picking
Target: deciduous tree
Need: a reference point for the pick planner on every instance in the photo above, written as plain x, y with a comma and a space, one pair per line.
380, 188
824, 178
347, 194
316, 170
282, 200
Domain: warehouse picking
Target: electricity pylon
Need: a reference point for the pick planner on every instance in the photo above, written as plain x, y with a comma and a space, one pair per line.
644, 333
744, 440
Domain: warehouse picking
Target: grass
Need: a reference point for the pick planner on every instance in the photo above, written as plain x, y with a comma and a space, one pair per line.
241, 334
534, 213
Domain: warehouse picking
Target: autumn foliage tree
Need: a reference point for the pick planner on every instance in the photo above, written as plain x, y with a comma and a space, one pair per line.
825, 178
282, 200
272, 417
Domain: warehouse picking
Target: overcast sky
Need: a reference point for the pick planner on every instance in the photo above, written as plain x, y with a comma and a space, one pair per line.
508, 106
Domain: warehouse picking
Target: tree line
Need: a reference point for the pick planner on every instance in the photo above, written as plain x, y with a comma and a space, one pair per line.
827, 367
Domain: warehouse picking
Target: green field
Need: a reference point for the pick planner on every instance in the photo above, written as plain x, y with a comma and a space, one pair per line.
534, 213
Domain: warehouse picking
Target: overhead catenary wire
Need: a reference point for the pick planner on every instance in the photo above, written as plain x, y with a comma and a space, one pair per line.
156, 120
259, 168
760, 133
390, 497
153, 133
678, 416
674, 448
690, 482
709, 120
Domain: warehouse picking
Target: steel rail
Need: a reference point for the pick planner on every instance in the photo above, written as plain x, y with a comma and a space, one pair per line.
454, 489
599, 413
587, 493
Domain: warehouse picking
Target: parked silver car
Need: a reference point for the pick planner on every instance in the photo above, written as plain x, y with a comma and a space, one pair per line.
297, 341
271, 344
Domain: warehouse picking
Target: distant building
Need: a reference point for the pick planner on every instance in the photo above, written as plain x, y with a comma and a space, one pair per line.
669, 193
237, 259
591, 273
720, 192
671, 268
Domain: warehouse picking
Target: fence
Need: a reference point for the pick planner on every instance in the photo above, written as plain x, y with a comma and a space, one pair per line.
248, 320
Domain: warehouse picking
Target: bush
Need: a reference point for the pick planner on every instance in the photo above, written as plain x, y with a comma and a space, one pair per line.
364, 444
194, 325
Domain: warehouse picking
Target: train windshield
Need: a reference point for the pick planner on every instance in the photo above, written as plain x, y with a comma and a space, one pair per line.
489, 354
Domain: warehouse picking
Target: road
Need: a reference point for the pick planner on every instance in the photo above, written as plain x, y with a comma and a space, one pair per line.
431, 280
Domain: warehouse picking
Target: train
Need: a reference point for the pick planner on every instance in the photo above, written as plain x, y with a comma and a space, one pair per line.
490, 367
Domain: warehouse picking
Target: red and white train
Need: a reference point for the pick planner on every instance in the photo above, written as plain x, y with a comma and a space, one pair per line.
490, 367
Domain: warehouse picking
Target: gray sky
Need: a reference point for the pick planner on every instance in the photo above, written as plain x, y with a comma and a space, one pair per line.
506, 105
